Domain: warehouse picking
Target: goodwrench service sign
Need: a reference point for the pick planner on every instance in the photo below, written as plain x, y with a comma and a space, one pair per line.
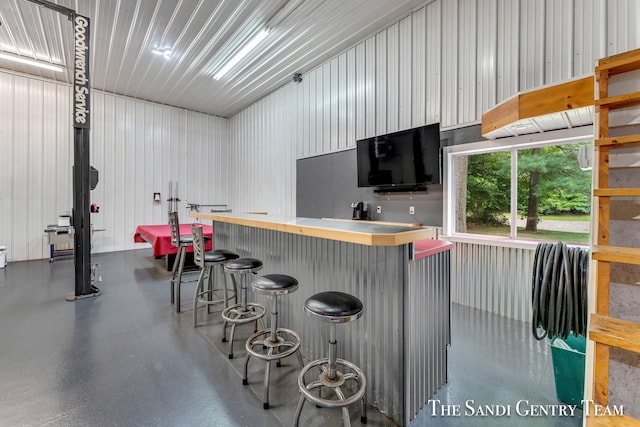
81, 72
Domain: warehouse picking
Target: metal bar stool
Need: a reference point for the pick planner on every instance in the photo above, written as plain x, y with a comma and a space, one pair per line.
182, 243
333, 307
207, 261
274, 343
243, 312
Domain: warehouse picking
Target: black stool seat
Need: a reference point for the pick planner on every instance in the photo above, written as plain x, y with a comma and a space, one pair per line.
218, 255
334, 306
243, 264
274, 284
186, 240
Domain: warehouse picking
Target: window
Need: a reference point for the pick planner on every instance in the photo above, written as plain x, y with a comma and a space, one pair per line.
535, 191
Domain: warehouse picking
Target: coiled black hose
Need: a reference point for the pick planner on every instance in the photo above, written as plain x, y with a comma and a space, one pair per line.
559, 290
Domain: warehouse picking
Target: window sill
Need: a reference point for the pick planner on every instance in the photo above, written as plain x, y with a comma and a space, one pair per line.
499, 241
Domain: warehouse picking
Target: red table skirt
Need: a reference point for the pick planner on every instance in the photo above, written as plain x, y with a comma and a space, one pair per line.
160, 237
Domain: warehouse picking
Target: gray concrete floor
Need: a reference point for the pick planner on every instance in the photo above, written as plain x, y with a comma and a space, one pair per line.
126, 358
495, 361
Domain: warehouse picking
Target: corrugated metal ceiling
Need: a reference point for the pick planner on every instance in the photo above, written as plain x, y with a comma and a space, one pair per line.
200, 34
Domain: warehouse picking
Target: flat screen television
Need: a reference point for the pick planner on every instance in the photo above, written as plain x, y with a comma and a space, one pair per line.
401, 161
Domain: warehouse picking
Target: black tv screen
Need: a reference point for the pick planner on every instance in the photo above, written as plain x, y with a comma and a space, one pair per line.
408, 159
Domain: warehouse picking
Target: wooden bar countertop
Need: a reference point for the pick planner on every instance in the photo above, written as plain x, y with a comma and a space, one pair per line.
368, 233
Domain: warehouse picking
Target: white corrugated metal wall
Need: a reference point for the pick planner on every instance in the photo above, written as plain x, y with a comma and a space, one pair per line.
137, 147
35, 162
493, 278
447, 62
261, 154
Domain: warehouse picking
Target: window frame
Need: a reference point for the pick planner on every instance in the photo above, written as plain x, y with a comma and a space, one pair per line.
513, 144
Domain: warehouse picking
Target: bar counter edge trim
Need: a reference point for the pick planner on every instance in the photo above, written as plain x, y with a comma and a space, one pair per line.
369, 239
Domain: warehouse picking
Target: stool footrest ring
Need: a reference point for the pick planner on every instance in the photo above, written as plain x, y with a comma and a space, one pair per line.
240, 314
340, 401
292, 344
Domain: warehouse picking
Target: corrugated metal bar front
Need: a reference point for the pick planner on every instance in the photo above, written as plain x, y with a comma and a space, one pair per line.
429, 329
379, 276
493, 278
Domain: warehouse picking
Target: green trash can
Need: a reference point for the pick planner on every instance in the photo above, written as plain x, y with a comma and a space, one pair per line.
568, 368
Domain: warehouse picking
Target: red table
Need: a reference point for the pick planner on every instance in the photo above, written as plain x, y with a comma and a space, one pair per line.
160, 237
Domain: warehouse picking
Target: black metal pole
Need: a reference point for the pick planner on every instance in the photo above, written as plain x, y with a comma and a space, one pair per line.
81, 214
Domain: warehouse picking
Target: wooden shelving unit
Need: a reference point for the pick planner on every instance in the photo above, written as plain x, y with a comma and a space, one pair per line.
604, 330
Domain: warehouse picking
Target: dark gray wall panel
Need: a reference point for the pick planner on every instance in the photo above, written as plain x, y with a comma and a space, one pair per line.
327, 184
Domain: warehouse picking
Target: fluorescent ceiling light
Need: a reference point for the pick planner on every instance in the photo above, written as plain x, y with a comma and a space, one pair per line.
29, 61
164, 52
241, 54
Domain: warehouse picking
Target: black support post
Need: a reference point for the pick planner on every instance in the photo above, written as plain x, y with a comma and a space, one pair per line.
81, 215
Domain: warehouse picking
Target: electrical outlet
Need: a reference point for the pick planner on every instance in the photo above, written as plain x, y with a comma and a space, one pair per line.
378, 209
411, 210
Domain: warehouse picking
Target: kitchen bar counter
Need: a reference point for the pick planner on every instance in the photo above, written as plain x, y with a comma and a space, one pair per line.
401, 276
362, 232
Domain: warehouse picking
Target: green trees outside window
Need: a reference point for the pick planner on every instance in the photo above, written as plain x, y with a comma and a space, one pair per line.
552, 189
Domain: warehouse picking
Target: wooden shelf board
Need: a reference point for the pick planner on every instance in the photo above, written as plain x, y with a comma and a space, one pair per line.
618, 141
616, 192
626, 100
620, 101
621, 63
616, 254
615, 332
